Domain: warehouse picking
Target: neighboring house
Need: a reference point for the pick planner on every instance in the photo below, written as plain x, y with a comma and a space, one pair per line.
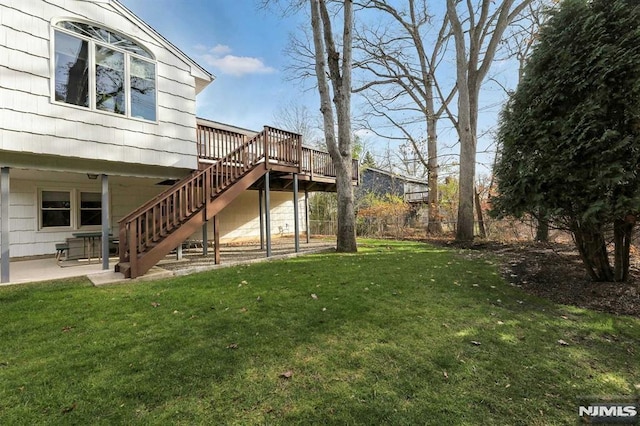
98, 132
382, 182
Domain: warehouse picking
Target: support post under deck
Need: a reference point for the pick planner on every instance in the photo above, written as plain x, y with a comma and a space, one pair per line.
306, 213
205, 239
261, 213
4, 225
267, 214
296, 218
216, 240
105, 221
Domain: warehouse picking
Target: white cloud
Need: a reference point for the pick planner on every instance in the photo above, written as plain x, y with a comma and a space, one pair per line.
220, 58
220, 49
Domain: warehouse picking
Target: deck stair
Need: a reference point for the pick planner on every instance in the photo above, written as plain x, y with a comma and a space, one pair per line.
154, 229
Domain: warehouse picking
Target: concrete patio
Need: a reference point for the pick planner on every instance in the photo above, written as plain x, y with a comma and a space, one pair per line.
47, 269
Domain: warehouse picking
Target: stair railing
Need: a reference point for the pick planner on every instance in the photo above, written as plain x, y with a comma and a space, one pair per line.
157, 218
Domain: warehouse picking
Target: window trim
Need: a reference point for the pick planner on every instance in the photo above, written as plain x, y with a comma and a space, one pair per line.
71, 213
75, 198
81, 209
92, 42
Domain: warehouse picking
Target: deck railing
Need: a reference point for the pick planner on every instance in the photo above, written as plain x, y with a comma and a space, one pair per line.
214, 143
416, 197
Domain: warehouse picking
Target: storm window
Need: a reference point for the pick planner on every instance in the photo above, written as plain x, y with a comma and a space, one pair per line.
101, 70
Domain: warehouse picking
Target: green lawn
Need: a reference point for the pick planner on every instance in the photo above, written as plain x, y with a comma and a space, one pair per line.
401, 333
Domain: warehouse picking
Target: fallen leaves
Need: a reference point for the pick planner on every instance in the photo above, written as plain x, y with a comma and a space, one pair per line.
314, 296
155, 304
286, 375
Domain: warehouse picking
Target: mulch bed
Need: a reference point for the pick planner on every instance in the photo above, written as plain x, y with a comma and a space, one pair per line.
555, 272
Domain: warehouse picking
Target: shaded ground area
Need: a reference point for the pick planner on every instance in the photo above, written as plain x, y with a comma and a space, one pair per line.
554, 271
240, 253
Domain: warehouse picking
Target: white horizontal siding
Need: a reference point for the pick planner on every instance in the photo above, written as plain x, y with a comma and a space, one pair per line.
27, 240
241, 221
129, 195
62, 130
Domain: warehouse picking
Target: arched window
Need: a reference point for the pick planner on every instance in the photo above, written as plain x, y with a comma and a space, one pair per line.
102, 70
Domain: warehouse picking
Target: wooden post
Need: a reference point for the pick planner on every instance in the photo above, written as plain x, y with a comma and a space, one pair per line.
311, 161
105, 222
133, 249
205, 239
4, 226
267, 164
299, 138
216, 240
296, 218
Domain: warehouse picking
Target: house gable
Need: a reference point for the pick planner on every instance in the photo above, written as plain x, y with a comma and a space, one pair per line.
202, 76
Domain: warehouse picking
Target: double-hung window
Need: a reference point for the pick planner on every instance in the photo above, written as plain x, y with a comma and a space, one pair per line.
55, 209
69, 208
90, 209
101, 70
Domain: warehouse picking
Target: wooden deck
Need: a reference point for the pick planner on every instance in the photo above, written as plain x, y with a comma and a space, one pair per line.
229, 164
285, 148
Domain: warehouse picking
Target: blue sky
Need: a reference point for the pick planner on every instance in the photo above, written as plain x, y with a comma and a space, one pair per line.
243, 46
240, 44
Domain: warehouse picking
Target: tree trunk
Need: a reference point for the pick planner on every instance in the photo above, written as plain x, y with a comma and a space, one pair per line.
328, 62
592, 247
475, 48
622, 233
483, 232
464, 226
434, 226
466, 132
346, 242
542, 230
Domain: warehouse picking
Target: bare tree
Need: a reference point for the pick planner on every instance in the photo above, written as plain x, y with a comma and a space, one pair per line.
329, 57
409, 162
523, 31
477, 27
331, 67
297, 118
400, 82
